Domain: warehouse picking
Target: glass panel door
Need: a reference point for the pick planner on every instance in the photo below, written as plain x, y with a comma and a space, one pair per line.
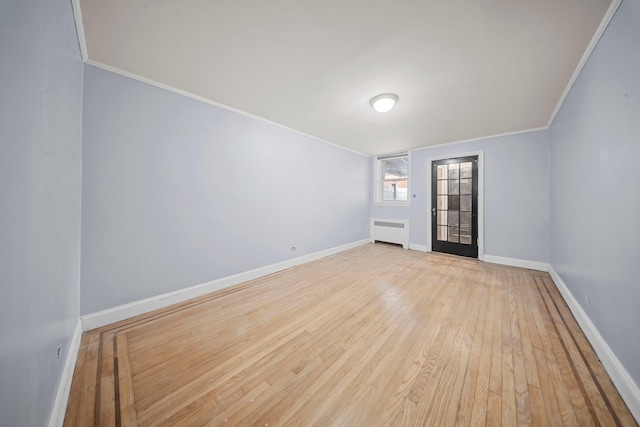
454, 206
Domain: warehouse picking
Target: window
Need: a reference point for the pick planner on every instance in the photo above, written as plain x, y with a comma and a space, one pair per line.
392, 180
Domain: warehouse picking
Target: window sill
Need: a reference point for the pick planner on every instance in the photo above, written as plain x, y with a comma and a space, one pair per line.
392, 203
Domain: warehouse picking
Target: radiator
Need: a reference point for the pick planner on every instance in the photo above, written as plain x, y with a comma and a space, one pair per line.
391, 231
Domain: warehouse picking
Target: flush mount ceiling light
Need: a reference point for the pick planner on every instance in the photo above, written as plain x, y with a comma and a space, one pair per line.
384, 102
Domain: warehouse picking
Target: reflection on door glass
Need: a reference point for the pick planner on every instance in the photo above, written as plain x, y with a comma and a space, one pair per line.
442, 187
465, 170
453, 218
465, 203
465, 218
465, 234
442, 172
442, 233
454, 170
442, 218
453, 234
454, 186
442, 203
465, 186
454, 203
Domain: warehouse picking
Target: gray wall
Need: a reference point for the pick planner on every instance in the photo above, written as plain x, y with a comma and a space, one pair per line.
516, 194
595, 195
40, 168
177, 192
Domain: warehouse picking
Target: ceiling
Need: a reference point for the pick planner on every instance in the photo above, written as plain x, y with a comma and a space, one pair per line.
463, 69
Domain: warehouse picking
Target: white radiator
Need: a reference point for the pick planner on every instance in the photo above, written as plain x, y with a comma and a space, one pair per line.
391, 231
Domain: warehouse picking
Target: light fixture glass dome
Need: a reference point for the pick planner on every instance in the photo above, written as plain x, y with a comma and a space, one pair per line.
384, 102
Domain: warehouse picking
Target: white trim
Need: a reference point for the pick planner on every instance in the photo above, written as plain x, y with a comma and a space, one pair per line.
82, 41
125, 311
56, 419
211, 102
585, 57
480, 154
514, 262
626, 386
407, 204
418, 247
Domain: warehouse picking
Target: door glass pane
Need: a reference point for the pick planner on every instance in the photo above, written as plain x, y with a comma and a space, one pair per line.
465, 235
453, 218
465, 186
465, 169
454, 186
442, 203
442, 187
454, 170
465, 203
442, 172
453, 234
465, 219
454, 203
442, 217
442, 233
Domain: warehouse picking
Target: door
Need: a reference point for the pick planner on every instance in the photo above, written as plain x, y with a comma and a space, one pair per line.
454, 206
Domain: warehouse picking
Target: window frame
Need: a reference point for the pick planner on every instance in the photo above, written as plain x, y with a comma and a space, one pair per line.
379, 179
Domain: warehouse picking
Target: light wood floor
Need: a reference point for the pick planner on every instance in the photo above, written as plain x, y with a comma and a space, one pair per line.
373, 336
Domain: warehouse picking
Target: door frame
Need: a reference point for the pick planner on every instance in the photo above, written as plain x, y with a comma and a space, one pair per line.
480, 154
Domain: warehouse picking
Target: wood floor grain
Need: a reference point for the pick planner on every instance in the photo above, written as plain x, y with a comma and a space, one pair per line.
369, 337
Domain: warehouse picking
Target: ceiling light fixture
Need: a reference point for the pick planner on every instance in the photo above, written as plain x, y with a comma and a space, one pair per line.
384, 102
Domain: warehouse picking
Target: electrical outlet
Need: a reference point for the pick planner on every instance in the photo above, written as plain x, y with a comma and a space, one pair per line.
587, 298
59, 351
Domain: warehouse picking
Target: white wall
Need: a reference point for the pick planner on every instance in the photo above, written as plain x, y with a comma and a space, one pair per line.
177, 192
516, 194
595, 194
40, 168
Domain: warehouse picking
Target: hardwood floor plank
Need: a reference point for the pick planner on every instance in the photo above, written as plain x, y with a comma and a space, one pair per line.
521, 385
481, 395
444, 371
398, 389
372, 336
495, 375
84, 384
571, 366
107, 382
494, 410
540, 346
126, 396
559, 370
455, 406
464, 409
530, 342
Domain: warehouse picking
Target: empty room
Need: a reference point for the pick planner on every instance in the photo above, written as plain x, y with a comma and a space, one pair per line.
327, 213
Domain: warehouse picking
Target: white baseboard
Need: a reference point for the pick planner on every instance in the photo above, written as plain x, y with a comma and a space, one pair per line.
514, 262
417, 247
64, 387
626, 386
125, 311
